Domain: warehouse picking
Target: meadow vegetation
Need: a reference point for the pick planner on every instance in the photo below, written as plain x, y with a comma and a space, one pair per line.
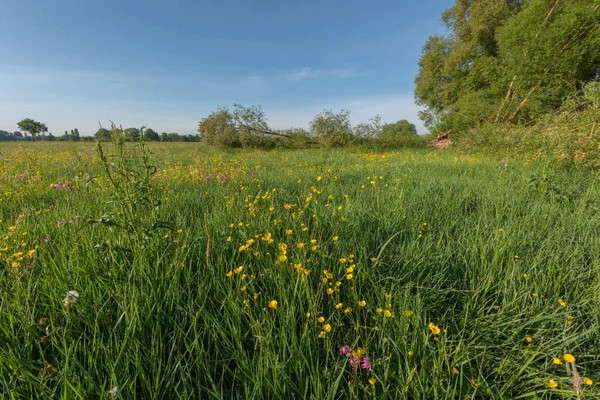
337, 261
150, 270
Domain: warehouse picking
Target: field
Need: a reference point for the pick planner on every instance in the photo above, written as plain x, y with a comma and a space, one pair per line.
189, 272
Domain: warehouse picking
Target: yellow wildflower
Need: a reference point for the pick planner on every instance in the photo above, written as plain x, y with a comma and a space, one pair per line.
552, 384
569, 358
359, 352
434, 328
273, 304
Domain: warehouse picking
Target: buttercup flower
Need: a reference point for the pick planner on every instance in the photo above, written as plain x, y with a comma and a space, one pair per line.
434, 328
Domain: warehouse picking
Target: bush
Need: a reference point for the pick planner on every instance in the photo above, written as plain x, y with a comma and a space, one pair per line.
332, 130
568, 136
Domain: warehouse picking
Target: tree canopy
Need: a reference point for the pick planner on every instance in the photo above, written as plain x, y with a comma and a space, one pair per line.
32, 127
507, 61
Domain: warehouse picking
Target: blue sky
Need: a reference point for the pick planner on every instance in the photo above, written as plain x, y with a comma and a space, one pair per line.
168, 64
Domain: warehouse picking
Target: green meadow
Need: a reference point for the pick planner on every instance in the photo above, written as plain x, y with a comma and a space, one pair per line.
181, 271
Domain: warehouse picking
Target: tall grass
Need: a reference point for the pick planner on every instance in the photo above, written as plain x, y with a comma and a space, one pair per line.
503, 258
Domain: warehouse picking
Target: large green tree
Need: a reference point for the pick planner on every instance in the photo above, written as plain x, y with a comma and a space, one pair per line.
507, 60
32, 127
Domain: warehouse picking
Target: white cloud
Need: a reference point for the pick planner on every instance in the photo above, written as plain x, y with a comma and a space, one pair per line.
308, 73
303, 73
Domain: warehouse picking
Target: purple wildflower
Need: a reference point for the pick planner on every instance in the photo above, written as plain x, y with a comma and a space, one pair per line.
366, 363
346, 351
354, 362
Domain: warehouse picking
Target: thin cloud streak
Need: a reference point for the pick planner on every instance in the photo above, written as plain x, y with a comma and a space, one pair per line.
311, 73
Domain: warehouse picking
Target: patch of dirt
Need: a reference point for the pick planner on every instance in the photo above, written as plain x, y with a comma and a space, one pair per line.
441, 141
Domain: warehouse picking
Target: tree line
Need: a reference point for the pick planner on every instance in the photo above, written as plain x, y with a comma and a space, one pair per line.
149, 134
247, 127
35, 130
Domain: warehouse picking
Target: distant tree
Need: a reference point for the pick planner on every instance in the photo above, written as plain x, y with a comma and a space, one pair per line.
164, 137
239, 127
174, 137
151, 134
218, 129
32, 127
103, 135
331, 129
17, 134
48, 138
75, 135
371, 129
399, 134
132, 134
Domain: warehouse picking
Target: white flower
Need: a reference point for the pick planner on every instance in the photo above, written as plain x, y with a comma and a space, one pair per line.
71, 297
113, 391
